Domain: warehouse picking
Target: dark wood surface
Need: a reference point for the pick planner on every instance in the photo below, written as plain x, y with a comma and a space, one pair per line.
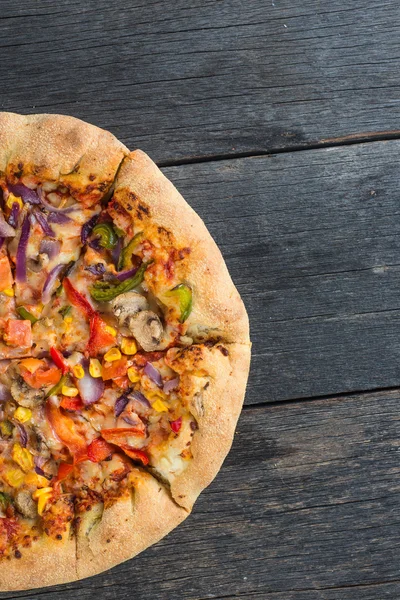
194, 78
307, 505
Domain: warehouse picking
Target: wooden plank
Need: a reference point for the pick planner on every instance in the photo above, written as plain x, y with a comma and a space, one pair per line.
312, 241
307, 507
188, 79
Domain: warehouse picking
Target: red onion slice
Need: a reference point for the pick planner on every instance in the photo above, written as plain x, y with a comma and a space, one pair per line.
59, 218
120, 404
49, 283
22, 434
14, 214
41, 219
126, 274
27, 195
153, 374
20, 270
97, 269
5, 229
138, 396
116, 251
90, 388
52, 208
87, 228
50, 247
170, 385
4, 393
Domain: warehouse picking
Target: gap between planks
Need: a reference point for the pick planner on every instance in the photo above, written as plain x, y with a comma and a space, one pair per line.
348, 140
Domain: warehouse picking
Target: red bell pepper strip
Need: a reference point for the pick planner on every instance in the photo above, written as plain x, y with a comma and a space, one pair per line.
65, 430
99, 338
58, 360
77, 299
71, 403
176, 425
136, 454
99, 450
64, 470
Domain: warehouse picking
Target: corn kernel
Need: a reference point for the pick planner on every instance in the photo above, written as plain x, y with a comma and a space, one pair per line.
9, 292
155, 395
95, 367
42, 492
68, 320
113, 354
133, 375
22, 457
111, 330
71, 392
36, 480
78, 371
12, 199
43, 496
128, 346
23, 414
159, 406
14, 477
43, 500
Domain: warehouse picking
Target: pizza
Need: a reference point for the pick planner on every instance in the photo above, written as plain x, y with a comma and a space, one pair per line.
124, 352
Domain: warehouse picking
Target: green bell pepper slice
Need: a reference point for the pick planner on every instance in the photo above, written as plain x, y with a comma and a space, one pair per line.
25, 314
106, 233
125, 258
185, 297
104, 291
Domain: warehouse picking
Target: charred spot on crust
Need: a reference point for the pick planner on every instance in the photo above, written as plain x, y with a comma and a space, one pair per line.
92, 177
223, 350
17, 554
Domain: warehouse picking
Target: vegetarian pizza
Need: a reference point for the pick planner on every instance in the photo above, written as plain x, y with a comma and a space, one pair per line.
124, 352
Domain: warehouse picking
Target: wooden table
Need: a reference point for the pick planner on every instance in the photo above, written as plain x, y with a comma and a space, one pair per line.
279, 122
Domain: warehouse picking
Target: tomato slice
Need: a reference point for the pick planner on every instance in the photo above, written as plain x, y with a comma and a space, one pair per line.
18, 333
99, 450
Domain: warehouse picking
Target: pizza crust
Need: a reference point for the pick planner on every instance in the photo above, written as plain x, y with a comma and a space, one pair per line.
147, 195
46, 562
135, 521
216, 412
62, 149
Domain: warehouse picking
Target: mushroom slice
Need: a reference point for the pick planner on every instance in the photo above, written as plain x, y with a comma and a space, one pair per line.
25, 395
127, 305
25, 505
147, 328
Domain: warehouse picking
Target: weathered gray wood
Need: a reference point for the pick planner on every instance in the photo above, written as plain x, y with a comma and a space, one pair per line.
312, 241
306, 507
185, 79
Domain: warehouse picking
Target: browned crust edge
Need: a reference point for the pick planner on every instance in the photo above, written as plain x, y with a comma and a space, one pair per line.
46, 562
59, 148
137, 520
222, 402
218, 310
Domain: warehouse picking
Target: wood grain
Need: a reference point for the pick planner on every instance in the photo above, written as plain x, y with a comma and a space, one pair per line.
312, 240
306, 507
189, 79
